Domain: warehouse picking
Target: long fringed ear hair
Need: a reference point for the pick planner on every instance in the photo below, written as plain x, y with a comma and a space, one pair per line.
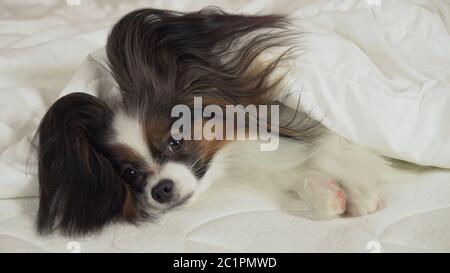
79, 189
167, 56
161, 58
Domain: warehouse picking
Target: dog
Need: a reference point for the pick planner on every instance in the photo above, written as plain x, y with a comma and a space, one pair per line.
101, 162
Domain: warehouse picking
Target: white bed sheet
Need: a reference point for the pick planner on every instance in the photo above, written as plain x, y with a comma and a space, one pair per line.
43, 45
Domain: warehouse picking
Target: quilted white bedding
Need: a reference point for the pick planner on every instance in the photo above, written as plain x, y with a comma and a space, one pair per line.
376, 71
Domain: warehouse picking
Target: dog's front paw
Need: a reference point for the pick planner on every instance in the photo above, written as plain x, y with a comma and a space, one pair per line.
323, 196
361, 202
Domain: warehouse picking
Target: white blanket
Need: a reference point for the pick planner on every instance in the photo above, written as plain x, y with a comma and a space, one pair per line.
379, 74
376, 72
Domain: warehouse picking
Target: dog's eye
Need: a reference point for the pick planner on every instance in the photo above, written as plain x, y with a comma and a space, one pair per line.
175, 145
130, 175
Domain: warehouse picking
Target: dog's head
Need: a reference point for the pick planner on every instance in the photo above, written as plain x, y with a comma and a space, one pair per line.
97, 165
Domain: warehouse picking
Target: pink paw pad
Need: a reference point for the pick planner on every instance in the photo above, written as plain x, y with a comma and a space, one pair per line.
342, 199
339, 193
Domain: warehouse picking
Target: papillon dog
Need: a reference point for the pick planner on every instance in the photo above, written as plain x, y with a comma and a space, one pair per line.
105, 160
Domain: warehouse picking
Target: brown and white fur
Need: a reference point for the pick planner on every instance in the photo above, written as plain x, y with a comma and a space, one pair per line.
102, 162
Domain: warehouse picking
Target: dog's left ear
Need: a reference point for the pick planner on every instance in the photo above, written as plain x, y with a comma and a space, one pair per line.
80, 191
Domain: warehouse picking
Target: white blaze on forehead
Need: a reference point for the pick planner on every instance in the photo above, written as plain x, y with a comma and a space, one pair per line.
129, 131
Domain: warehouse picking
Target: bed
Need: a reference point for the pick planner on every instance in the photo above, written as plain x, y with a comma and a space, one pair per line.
387, 61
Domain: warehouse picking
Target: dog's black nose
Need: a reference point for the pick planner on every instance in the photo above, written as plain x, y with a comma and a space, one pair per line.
163, 191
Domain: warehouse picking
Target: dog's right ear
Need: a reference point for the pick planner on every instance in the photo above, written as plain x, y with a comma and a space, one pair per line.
79, 189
